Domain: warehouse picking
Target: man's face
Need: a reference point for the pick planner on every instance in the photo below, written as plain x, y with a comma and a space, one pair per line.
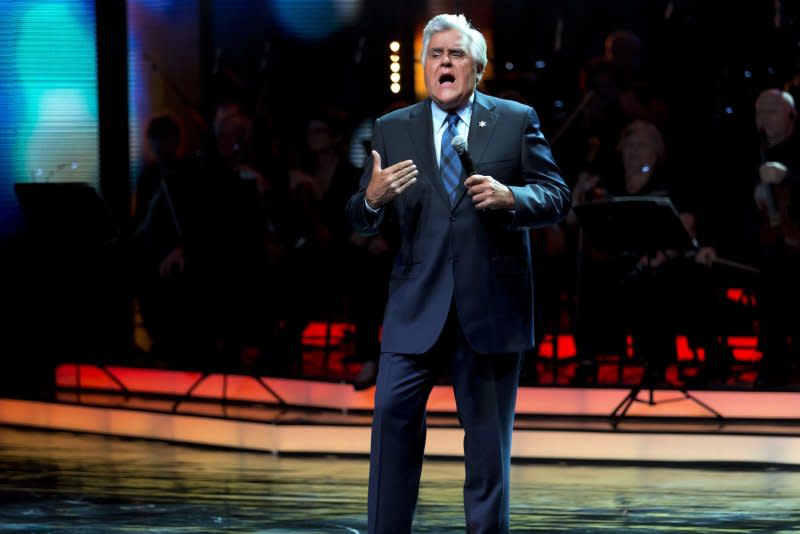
774, 117
165, 148
232, 137
638, 153
450, 73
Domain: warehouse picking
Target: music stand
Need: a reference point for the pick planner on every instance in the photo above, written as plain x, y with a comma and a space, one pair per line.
207, 374
640, 225
68, 213
207, 371
65, 212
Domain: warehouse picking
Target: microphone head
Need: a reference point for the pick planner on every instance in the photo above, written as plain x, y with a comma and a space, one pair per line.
459, 144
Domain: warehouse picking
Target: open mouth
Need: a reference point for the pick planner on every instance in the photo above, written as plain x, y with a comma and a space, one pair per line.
447, 79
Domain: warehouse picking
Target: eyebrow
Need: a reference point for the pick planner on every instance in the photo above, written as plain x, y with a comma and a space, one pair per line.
442, 49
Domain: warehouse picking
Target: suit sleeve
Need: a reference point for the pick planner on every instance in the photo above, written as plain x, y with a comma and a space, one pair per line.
544, 197
361, 219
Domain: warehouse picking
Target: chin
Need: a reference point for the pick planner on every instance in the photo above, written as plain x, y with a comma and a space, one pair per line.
449, 101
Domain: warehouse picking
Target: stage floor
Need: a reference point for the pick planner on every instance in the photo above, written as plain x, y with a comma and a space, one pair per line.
284, 416
124, 450
63, 482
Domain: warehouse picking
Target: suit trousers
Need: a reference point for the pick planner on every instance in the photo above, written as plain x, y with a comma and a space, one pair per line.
485, 388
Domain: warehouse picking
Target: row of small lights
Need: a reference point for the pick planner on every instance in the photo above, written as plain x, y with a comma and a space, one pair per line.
394, 66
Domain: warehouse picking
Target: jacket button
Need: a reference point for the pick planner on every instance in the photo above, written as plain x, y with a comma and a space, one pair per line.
452, 217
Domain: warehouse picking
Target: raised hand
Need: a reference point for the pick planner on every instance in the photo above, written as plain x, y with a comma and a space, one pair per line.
386, 184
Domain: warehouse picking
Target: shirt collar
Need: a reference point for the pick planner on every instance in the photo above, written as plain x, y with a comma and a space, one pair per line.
439, 115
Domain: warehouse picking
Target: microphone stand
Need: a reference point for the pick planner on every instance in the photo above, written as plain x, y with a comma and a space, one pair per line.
572, 116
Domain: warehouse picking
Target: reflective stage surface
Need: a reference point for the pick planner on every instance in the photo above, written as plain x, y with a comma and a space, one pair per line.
61, 482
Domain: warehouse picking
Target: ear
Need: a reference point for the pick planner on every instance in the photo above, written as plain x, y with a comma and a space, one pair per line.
478, 74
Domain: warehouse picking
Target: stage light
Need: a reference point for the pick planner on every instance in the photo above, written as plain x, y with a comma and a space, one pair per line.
314, 20
748, 74
540, 64
729, 110
558, 104
394, 67
509, 65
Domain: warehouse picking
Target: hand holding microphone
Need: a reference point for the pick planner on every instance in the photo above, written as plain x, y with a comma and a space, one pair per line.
485, 191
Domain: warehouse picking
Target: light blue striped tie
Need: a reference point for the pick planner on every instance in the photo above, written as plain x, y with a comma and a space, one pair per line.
449, 163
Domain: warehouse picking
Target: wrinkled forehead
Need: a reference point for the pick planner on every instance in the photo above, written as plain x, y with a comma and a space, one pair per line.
448, 39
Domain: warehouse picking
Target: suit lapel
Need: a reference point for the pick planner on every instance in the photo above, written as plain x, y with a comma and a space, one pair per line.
481, 127
421, 133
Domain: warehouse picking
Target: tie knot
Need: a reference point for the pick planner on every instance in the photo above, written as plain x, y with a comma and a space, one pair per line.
452, 119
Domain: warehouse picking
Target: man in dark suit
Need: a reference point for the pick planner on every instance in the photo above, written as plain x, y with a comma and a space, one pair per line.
460, 295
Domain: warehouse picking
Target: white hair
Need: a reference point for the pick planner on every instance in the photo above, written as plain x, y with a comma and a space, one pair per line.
473, 40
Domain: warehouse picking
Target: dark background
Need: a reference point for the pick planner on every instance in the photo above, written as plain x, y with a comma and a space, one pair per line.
707, 61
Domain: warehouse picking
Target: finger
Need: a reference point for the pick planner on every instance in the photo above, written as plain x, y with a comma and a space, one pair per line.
398, 185
376, 161
478, 189
399, 166
396, 188
406, 172
412, 172
474, 180
485, 204
402, 180
406, 185
480, 199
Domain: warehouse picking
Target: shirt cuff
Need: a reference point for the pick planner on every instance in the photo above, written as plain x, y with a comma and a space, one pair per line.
370, 208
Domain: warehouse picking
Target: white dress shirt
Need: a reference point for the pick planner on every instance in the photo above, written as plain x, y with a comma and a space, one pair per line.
439, 122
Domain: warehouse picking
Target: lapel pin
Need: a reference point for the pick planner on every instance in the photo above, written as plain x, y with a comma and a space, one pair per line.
482, 124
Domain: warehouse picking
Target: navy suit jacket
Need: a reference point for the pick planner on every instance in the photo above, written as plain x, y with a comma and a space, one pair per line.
481, 260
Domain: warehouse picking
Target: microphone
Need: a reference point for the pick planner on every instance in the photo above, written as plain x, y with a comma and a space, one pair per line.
459, 144
765, 191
